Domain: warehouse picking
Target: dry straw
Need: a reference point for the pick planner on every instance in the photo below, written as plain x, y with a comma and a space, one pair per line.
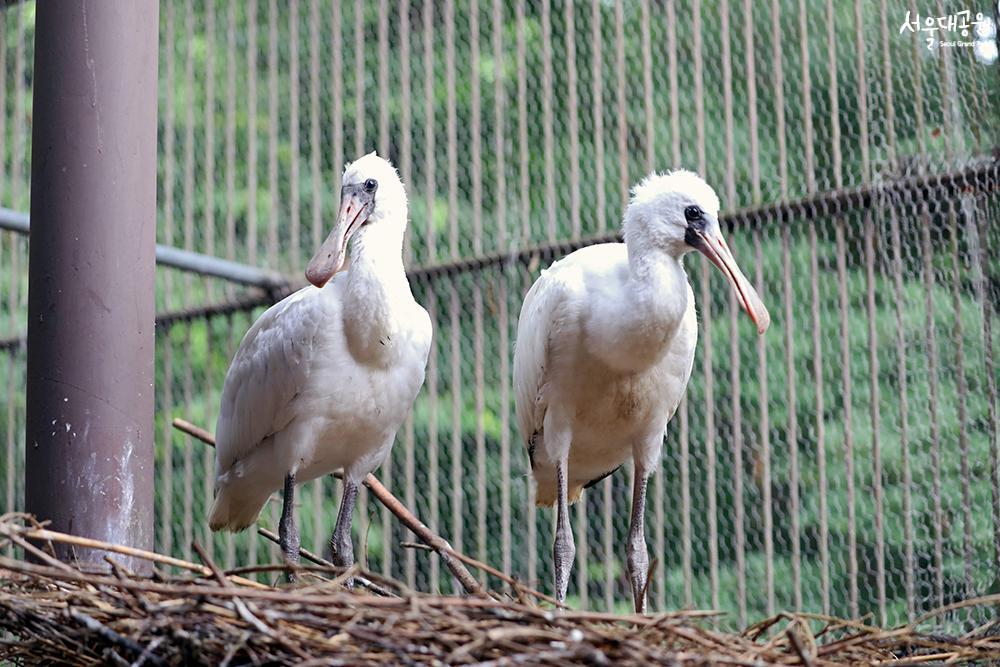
55, 613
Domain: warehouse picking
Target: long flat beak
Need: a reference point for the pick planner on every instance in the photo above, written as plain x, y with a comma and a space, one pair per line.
355, 206
709, 242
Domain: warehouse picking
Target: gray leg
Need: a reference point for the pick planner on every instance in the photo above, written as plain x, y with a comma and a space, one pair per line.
341, 547
288, 530
563, 549
638, 558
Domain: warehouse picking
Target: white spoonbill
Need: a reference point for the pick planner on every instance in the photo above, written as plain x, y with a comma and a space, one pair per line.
605, 345
324, 379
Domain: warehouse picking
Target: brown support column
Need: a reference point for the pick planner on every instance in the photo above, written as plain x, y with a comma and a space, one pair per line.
91, 275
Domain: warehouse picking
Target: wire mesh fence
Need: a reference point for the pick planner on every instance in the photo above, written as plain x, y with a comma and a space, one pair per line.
846, 462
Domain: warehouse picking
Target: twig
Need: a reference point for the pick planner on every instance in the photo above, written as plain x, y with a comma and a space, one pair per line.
649, 576
38, 553
197, 432
210, 564
971, 602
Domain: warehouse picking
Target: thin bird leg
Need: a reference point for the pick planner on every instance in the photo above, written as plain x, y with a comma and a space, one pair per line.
638, 558
563, 549
341, 547
288, 530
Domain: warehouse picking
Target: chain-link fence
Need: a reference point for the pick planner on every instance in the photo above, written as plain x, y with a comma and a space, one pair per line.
846, 462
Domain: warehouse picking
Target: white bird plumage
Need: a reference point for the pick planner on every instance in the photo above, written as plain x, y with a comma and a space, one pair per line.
324, 379
605, 347
616, 405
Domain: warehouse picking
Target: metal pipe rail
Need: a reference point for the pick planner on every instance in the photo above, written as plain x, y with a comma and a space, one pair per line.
185, 260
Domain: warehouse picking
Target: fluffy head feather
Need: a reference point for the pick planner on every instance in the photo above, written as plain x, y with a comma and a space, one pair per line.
391, 195
683, 185
655, 219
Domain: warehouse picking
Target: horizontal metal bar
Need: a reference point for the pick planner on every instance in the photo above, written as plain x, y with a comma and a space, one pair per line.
166, 320
979, 175
207, 265
14, 221
237, 305
16, 343
185, 260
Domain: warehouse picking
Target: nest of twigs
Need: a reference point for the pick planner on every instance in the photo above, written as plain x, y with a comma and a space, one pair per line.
55, 613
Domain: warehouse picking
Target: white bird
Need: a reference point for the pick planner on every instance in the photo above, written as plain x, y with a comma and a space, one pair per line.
605, 345
323, 380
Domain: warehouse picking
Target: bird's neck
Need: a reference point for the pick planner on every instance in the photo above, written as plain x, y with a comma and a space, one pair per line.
645, 318
377, 296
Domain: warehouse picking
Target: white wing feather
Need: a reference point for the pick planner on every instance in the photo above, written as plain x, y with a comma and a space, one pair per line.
550, 313
539, 314
270, 367
681, 355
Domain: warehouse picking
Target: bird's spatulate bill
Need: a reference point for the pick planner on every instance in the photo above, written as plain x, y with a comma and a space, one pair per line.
355, 207
717, 250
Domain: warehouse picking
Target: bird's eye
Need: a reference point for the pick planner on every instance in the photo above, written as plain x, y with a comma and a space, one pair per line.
370, 185
692, 213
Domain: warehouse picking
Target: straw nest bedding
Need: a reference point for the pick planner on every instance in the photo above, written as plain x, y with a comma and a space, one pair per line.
54, 613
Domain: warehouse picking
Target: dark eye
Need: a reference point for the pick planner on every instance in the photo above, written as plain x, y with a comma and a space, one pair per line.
692, 213
370, 185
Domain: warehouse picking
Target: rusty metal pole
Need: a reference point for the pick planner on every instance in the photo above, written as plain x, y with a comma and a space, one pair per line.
91, 275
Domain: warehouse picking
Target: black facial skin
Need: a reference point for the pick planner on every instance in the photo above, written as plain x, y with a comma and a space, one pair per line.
696, 225
365, 193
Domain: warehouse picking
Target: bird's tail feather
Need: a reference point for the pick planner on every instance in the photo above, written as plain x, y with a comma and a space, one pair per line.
236, 508
546, 490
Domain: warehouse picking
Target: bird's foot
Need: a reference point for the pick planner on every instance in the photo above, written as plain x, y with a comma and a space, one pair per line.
290, 554
563, 553
292, 564
638, 573
639, 596
288, 530
342, 555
